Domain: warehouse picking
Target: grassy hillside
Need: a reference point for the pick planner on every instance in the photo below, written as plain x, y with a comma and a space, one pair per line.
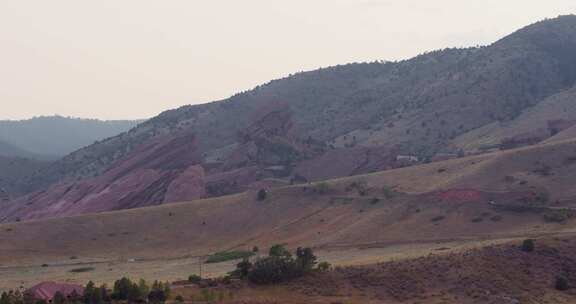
360, 219
494, 274
538, 123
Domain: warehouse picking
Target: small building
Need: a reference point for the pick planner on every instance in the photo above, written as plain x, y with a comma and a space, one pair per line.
407, 158
46, 290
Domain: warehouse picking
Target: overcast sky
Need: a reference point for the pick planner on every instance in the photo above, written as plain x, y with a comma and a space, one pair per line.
135, 58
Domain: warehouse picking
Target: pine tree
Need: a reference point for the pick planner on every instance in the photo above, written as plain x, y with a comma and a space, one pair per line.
122, 288
96, 297
134, 294
305, 258
28, 298
75, 298
143, 288
58, 298
104, 293
243, 268
5, 299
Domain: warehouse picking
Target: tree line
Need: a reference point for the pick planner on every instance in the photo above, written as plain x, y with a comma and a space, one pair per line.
279, 266
124, 290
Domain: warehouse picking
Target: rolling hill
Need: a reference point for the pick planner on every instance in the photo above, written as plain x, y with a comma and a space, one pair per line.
9, 150
12, 171
337, 211
462, 203
56, 136
536, 124
418, 179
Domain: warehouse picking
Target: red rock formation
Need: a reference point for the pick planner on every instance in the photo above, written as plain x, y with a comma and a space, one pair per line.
187, 186
163, 170
346, 162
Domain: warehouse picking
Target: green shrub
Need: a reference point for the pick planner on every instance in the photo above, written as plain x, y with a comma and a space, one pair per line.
227, 280
542, 197
58, 298
279, 250
279, 266
273, 269
159, 292
305, 259
122, 289
557, 216
561, 284
496, 218
262, 193
322, 188
194, 278
360, 186
82, 269
324, 266
437, 218
388, 192
228, 256
528, 245
243, 268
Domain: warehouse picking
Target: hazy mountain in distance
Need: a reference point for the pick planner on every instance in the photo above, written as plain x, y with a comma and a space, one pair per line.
9, 150
12, 170
56, 136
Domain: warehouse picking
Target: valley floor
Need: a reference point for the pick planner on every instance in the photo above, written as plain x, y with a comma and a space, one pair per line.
107, 269
498, 274
410, 218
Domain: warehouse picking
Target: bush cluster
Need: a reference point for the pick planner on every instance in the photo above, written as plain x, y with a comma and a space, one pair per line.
279, 266
528, 245
262, 193
557, 216
194, 278
126, 290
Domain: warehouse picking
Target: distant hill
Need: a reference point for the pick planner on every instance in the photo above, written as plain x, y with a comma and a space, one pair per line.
333, 122
9, 150
12, 171
56, 136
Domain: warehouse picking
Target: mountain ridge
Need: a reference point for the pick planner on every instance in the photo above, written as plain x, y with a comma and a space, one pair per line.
355, 119
38, 134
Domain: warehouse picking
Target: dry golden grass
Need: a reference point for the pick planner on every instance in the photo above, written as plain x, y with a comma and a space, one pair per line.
345, 227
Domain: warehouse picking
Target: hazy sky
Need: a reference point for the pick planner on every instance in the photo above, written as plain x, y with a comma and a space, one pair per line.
135, 58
